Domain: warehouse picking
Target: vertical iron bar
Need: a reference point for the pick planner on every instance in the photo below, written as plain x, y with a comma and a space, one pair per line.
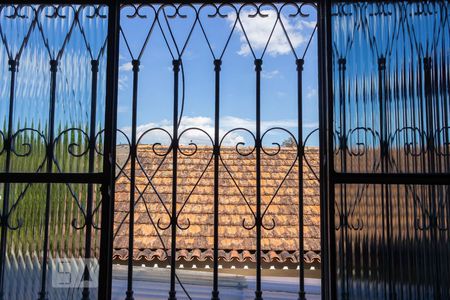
415, 168
343, 268
133, 152
433, 222
438, 192
388, 111
385, 195
4, 217
327, 218
429, 167
217, 68
258, 69
423, 234
49, 156
445, 145
411, 278
90, 191
300, 153
109, 154
173, 220
383, 153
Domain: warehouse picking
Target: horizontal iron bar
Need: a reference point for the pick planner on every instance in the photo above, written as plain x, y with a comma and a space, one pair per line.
54, 2
377, 1
52, 178
212, 2
81, 2
393, 178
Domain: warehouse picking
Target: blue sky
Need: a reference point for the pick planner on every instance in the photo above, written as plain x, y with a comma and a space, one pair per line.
279, 87
155, 97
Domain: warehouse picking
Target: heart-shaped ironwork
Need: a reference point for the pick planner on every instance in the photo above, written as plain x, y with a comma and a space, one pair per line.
120, 166
57, 32
381, 24
95, 18
218, 15
244, 151
344, 33
169, 17
191, 151
25, 151
75, 149
141, 16
17, 22
442, 140
273, 153
298, 15
425, 22
144, 160
257, 11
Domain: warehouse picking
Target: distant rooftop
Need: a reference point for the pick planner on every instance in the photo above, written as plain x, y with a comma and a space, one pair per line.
236, 243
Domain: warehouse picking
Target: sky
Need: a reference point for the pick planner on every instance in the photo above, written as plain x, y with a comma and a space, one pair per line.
237, 86
155, 84
155, 79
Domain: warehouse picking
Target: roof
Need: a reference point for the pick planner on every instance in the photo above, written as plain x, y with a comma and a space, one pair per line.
235, 242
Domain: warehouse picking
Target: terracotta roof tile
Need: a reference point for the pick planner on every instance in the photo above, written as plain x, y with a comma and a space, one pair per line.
235, 242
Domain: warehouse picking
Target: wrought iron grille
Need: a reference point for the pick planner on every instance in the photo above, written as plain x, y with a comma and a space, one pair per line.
390, 133
384, 168
71, 146
53, 100
171, 148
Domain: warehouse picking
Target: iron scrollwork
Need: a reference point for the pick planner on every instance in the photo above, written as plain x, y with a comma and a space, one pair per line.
87, 143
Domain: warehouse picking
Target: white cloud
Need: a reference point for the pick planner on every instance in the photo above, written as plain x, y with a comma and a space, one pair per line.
123, 82
311, 94
206, 124
123, 78
306, 24
258, 30
232, 122
270, 74
192, 135
126, 67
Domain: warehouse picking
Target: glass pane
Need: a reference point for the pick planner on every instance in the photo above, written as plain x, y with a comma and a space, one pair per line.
392, 241
52, 100
390, 82
72, 244
37, 111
